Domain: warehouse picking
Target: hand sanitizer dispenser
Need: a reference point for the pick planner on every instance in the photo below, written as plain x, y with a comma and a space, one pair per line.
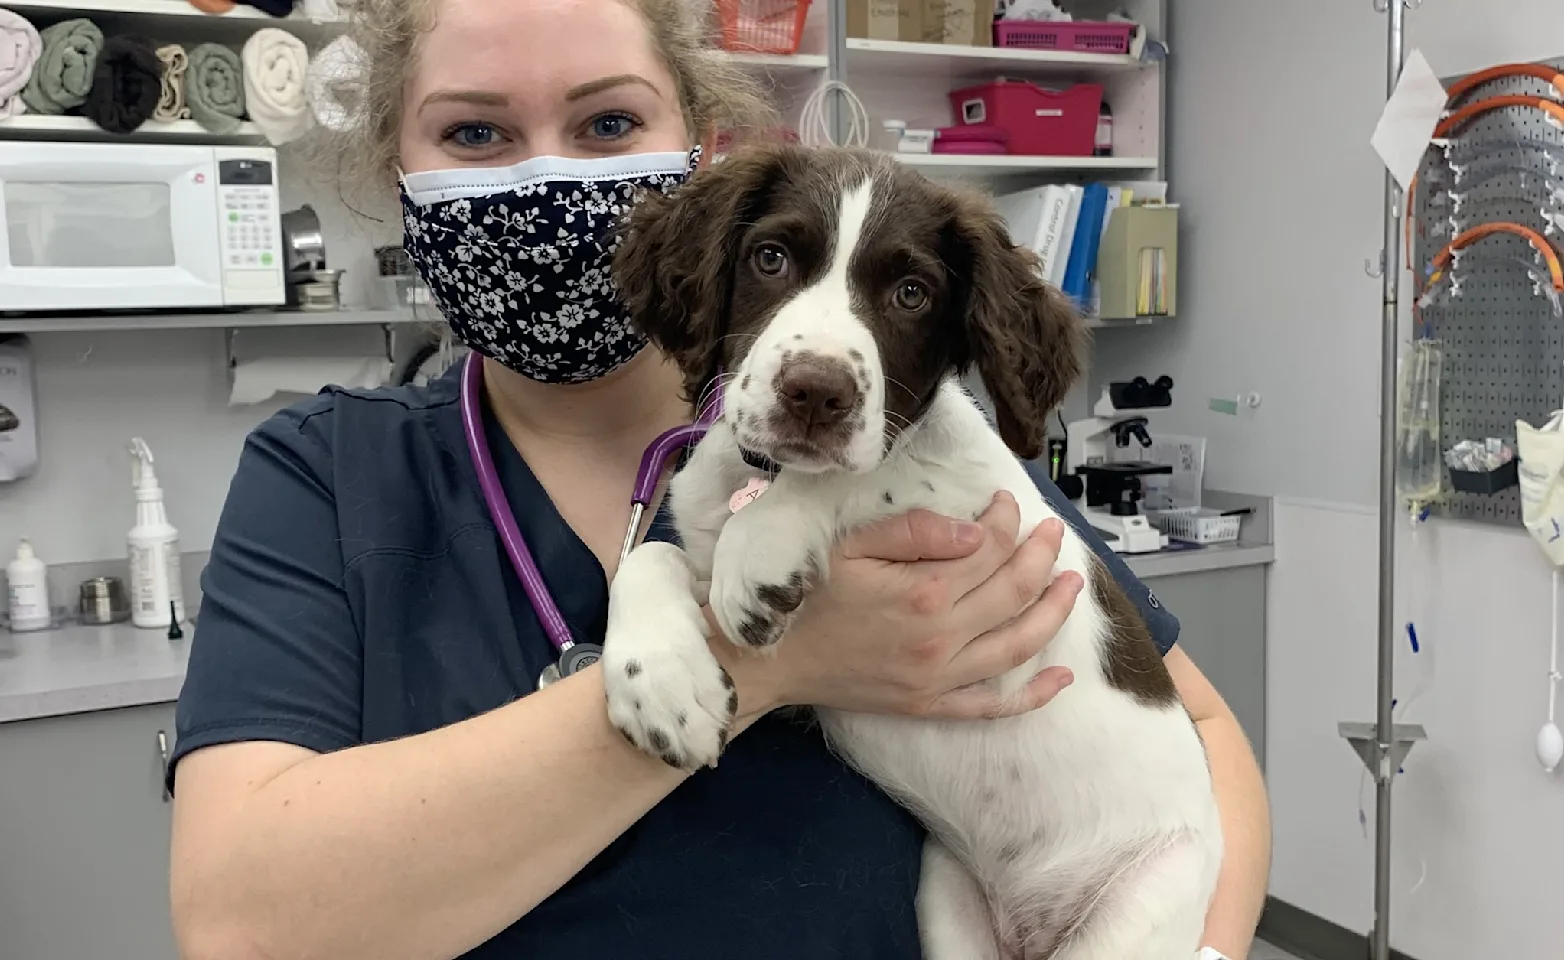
18, 411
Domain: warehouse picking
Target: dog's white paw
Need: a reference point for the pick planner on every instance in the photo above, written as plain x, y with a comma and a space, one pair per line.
668, 695
754, 600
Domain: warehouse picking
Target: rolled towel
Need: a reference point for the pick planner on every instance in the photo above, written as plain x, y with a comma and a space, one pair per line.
125, 85
171, 101
64, 72
275, 66
336, 84
20, 47
322, 11
214, 88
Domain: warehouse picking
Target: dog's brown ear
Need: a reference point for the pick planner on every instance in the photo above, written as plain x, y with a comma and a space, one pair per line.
674, 265
1024, 336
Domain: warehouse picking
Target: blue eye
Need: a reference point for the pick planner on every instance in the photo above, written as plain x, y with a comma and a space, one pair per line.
612, 126
473, 134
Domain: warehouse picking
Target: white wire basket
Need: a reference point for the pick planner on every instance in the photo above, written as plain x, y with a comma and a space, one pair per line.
1196, 525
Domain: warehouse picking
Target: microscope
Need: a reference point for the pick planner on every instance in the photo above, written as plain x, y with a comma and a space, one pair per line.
1114, 489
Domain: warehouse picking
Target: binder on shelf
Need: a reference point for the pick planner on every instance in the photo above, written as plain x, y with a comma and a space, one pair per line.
1137, 267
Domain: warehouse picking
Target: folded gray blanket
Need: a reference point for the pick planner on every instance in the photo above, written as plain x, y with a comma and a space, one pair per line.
63, 74
214, 88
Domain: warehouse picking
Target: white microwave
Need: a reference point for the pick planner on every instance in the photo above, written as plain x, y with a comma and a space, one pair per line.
117, 226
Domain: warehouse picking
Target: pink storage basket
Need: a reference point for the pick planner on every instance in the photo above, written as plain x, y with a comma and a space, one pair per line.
1076, 36
1041, 122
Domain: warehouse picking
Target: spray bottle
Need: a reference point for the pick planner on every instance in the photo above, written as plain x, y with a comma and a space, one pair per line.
156, 596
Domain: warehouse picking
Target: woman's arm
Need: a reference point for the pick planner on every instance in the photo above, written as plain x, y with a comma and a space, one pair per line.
1245, 812
423, 847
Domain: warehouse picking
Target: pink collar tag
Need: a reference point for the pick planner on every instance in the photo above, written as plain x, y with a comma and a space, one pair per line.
748, 494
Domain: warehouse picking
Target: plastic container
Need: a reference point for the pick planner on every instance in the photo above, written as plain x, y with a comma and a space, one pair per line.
1041, 122
1196, 525
979, 139
762, 26
1486, 482
1078, 36
394, 293
156, 583
27, 591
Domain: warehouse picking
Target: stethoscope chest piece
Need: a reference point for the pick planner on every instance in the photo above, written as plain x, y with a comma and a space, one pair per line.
577, 657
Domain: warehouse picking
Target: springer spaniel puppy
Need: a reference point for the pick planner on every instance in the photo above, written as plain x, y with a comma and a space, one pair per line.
844, 295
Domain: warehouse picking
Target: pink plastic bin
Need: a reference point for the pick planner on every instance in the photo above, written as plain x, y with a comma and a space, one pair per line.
1077, 36
983, 139
1041, 122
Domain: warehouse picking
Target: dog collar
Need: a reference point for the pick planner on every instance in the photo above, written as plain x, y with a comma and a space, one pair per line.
760, 462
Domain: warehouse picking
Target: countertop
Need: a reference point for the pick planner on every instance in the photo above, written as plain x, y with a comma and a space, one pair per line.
80, 669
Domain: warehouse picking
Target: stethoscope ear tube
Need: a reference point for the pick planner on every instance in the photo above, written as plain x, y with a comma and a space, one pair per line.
573, 656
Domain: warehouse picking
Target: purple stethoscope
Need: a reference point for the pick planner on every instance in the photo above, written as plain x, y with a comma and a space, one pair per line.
573, 656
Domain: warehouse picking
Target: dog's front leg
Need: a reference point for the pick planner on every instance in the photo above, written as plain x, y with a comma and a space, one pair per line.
954, 919
666, 692
769, 555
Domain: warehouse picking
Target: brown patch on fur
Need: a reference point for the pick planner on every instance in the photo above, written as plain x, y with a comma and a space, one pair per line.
1025, 337
1130, 660
686, 273
680, 257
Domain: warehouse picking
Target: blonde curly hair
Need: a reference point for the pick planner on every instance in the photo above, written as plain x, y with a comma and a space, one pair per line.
716, 93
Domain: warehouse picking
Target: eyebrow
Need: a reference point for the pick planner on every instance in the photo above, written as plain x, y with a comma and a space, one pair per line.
488, 98
582, 91
482, 98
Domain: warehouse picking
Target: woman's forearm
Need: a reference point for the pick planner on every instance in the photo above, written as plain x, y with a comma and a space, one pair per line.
1246, 834
420, 848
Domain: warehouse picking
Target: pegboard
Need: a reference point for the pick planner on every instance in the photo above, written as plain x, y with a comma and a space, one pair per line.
1503, 343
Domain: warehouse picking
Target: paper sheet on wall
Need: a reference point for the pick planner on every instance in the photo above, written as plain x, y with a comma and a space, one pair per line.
1187, 457
1407, 124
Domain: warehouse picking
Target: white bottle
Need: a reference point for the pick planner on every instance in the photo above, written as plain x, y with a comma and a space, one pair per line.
27, 590
156, 595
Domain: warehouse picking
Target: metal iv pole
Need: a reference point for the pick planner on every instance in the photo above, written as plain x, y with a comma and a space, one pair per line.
1384, 744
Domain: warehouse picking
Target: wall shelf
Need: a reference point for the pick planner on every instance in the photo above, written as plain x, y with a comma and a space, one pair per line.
999, 165
949, 61
115, 323
781, 63
37, 126
152, 8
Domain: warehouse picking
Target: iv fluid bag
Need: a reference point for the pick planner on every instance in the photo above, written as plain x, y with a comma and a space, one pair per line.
1419, 464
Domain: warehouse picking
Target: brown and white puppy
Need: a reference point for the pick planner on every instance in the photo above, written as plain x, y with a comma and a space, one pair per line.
842, 296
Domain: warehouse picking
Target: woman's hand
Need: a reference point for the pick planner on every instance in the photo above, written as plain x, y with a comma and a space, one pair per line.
918, 611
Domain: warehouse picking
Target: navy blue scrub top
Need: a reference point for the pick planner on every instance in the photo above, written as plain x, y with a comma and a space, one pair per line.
357, 592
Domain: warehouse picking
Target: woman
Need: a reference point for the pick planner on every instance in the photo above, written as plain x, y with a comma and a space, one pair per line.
366, 766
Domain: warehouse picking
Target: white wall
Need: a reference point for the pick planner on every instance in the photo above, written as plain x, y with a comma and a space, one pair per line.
1272, 106
96, 391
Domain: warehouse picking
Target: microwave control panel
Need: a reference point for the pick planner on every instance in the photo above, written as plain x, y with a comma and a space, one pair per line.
250, 228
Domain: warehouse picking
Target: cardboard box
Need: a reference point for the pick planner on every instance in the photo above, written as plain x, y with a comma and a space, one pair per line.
961, 22
874, 19
887, 19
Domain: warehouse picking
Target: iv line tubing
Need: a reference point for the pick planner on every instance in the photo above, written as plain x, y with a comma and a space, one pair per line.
1385, 722
1448, 125
1553, 658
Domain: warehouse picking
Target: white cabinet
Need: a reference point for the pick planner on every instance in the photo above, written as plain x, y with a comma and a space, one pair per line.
84, 832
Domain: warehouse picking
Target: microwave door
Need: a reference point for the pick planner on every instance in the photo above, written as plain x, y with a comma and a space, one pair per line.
108, 227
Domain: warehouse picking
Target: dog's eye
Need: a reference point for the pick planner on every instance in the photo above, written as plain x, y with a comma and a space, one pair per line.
771, 260
912, 296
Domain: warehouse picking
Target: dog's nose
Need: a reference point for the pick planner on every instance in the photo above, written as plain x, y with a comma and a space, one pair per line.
816, 391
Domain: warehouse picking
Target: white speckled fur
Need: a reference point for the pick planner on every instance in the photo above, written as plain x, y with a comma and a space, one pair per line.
1086, 830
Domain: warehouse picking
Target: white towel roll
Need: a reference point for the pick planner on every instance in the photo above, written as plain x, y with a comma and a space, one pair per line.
336, 84
275, 66
20, 48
